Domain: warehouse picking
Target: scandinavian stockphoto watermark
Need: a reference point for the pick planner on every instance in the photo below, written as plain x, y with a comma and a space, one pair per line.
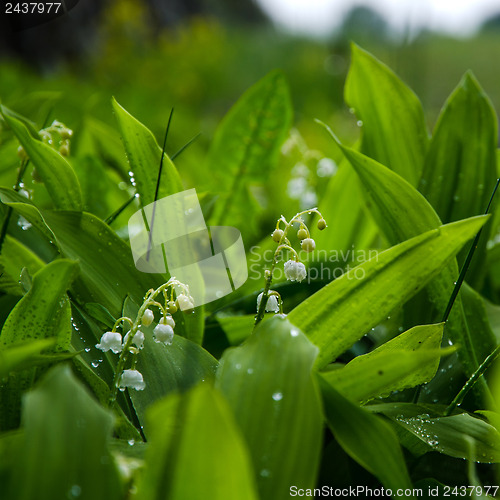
171, 236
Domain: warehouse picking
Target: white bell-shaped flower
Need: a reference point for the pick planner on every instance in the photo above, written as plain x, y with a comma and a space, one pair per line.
138, 339
110, 341
168, 320
185, 302
133, 379
163, 333
295, 271
272, 303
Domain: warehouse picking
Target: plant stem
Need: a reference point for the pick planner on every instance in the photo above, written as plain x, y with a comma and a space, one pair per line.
269, 274
473, 379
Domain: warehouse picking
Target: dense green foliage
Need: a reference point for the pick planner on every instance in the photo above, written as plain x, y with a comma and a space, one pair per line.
329, 393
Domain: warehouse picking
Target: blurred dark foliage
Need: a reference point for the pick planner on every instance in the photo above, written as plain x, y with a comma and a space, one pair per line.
44, 42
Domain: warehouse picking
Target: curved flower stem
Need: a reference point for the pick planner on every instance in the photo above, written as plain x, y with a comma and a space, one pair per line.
282, 245
149, 300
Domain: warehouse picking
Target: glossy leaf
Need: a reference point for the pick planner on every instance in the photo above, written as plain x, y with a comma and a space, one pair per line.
64, 446
367, 439
401, 213
246, 145
331, 317
144, 157
276, 405
57, 174
410, 359
460, 168
16, 357
194, 442
394, 131
461, 435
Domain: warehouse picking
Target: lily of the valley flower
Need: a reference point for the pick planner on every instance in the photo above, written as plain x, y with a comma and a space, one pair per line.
295, 271
272, 304
110, 341
147, 317
185, 302
163, 333
138, 339
168, 320
133, 379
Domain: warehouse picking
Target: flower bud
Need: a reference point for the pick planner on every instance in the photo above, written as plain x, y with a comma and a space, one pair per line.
308, 245
138, 339
184, 303
64, 150
168, 320
147, 317
171, 307
321, 224
277, 235
301, 233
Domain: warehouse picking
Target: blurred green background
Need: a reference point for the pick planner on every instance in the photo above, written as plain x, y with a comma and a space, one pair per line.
200, 57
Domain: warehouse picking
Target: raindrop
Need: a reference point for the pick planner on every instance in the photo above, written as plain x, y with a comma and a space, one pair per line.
265, 473
95, 364
277, 396
75, 491
352, 111
250, 371
359, 123
131, 442
237, 366
87, 349
433, 442
294, 332
456, 198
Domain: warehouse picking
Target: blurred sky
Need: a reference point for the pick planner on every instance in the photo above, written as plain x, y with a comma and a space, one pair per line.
319, 17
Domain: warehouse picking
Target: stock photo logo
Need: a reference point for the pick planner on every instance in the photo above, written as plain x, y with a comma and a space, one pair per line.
171, 235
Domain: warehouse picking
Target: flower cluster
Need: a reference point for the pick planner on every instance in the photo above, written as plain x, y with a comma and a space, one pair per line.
131, 341
270, 300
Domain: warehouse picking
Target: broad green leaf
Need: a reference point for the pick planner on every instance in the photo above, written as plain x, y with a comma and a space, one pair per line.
343, 311
276, 405
144, 157
237, 328
460, 168
410, 359
14, 258
64, 447
168, 369
16, 357
394, 131
367, 439
57, 174
195, 450
401, 213
451, 435
43, 313
246, 145
342, 207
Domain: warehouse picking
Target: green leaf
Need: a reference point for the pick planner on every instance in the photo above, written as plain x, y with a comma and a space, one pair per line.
43, 313
367, 439
276, 405
460, 168
195, 450
246, 145
16, 357
343, 311
64, 448
167, 369
401, 213
394, 130
460, 436
410, 359
144, 157
57, 174
14, 258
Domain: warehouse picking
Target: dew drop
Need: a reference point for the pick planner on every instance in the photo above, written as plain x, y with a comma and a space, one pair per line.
277, 396
294, 332
237, 366
359, 123
265, 473
75, 491
250, 371
131, 442
87, 349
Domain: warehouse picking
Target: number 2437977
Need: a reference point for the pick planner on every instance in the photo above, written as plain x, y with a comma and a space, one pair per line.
32, 8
